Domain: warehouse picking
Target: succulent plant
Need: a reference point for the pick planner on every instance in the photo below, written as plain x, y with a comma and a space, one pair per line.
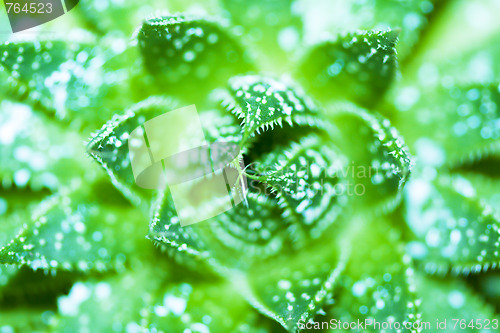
371, 157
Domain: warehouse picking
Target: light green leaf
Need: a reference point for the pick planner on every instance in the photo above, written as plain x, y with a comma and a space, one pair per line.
454, 302
413, 17
117, 16
177, 50
202, 307
454, 125
378, 282
70, 80
123, 17
358, 66
454, 230
36, 153
16, 207
110, 304
379, 161
25, 320
156, 298
40, 70
486, 188
272, 28
293, 286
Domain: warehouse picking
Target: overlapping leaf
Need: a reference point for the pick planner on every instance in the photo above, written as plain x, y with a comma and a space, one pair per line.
359, 67
454, 229
202, 307
282, 283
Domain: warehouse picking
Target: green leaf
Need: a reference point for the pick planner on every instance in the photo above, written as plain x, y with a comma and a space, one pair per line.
156, 298
294, 285
454, 230
253, 230
453, 301
273, 29
36, 153
486, 188
16, 207
263, 103
70, 80
25, 320
379, 161
357, 66
255, 245
178, 49
40, 70
116, 16
108, 304
413, 17
71, 232
24, 287
202, 306
378, 282
249, 246
453, 125
109, 145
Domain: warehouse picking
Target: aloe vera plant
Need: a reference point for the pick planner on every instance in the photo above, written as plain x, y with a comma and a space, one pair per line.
370, 154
